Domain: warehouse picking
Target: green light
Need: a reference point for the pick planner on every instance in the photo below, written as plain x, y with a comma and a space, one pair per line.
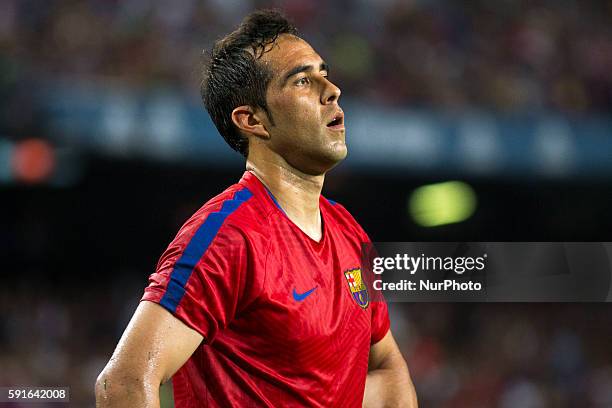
442, 203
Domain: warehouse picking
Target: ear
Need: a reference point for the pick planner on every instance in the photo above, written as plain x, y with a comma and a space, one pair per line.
249, 121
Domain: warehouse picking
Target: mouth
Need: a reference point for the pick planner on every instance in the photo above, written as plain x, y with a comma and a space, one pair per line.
337, 122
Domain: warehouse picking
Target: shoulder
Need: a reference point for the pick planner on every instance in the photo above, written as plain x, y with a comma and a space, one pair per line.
342, 217
235, 214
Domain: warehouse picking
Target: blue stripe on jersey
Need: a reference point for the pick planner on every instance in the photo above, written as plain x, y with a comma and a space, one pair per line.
331, 202
197, 248
274, 199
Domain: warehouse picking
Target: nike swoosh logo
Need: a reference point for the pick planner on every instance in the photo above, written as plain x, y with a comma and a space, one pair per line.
298, 297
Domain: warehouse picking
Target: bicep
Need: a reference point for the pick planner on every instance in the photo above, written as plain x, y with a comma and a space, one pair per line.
388, 382
385, 353
154, 346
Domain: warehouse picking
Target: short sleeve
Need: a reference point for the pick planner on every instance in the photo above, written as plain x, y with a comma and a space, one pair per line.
200, 278
380, 321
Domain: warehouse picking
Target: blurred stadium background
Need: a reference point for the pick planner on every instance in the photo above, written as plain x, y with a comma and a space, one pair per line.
105, 150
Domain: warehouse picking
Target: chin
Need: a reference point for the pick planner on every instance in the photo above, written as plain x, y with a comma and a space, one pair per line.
339, 151
316, 165
318, 161
336, 155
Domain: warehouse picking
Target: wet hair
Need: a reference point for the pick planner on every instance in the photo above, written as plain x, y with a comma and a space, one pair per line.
232, 74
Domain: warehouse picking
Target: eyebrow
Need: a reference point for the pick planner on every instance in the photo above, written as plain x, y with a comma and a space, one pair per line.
304, 68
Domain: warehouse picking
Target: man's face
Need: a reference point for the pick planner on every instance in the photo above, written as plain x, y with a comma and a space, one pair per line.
308, 130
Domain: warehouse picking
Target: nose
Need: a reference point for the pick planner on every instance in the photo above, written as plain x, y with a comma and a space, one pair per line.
331, 93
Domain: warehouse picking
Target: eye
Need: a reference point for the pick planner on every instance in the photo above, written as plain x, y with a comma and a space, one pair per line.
302, 81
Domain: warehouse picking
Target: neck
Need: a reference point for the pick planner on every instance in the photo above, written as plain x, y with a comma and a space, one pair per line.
297, 193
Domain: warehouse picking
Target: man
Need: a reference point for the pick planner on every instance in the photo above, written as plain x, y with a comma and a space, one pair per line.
259, 299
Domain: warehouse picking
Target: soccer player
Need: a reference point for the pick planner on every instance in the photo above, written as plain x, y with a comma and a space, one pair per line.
259, 300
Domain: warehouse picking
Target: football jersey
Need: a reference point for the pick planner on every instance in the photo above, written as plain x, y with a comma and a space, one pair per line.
286, 320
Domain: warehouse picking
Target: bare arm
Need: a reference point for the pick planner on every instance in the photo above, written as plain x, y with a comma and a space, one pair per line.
388, 383
153, 347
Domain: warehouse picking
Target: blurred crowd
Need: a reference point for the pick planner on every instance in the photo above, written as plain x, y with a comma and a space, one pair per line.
506, 56
509, 55
460, 355
507, 355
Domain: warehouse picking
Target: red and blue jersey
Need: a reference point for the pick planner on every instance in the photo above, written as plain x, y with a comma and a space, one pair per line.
286, 320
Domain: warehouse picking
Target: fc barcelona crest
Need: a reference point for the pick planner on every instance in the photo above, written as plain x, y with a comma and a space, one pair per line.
357, 287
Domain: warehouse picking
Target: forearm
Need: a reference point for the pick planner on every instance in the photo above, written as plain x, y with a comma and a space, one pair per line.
389, 387
114, 392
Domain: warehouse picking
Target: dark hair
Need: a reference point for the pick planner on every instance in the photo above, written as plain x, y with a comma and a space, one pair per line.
233, 76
